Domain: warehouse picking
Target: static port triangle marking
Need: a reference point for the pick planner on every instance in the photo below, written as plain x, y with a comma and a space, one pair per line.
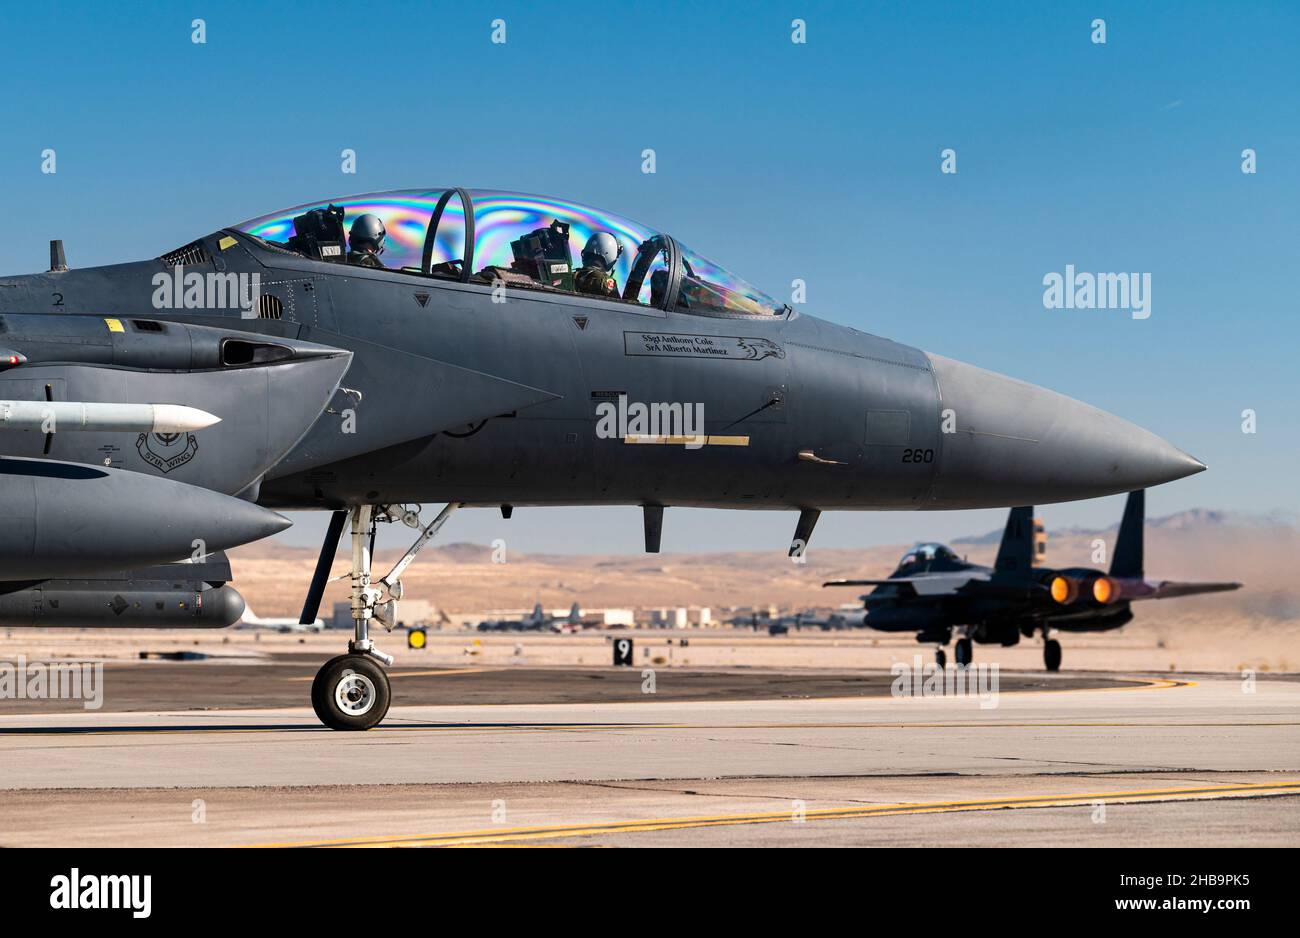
580, 321
422, 299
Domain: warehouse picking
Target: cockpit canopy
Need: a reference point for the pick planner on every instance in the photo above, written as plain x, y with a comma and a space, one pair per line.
926, 557
534, 242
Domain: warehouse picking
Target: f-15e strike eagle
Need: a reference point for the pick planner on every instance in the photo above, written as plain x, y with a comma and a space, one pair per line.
935, 594
264, 367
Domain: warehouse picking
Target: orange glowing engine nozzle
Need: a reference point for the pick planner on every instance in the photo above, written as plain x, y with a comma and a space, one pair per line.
1064, 590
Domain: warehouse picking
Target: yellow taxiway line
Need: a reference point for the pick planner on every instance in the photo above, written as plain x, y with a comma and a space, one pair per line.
498, 836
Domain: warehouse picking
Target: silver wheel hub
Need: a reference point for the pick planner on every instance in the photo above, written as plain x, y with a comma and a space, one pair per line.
354, 694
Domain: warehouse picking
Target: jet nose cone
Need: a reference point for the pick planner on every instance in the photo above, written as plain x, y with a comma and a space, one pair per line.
1017, 444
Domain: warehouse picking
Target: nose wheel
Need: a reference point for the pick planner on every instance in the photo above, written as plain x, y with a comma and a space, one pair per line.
941, 657
965, 652
1052, 655
351, 692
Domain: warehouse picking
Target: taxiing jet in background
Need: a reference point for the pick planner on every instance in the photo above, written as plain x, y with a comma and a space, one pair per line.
935, 593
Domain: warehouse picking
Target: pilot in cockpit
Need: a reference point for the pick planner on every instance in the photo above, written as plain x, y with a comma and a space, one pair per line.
596, 278
366, 241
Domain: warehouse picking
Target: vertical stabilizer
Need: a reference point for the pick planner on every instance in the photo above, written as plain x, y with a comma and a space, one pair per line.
1016, 552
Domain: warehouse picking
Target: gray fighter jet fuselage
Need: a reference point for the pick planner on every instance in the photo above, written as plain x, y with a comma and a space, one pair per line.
493, 399
468, 365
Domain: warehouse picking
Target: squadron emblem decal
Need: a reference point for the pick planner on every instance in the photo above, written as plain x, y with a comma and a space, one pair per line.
167, 451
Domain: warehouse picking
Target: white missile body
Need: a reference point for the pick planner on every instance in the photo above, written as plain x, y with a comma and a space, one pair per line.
58, 416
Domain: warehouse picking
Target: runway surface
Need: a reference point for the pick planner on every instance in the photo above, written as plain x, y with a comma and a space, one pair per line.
1144, 760
283, 680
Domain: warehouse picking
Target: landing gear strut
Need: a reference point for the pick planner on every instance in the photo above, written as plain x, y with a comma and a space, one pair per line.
1052, 654
351, 692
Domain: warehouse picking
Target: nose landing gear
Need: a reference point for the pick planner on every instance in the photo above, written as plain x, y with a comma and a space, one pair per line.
352, 692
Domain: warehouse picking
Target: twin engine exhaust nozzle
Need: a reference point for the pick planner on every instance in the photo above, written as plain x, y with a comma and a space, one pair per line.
1099, 590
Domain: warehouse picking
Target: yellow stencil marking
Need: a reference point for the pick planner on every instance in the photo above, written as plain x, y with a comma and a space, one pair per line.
703, 440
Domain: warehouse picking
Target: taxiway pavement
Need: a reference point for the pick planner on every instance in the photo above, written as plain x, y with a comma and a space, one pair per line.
1144, 760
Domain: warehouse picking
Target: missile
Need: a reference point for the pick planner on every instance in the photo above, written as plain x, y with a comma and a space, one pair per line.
60, 519
54, 416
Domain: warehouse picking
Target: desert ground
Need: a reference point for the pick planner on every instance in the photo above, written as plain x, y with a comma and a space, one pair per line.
1256, 627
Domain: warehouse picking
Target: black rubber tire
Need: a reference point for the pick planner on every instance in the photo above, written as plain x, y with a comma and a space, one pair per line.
965, 652
1052, 655
941, 658
316, 698
325, 703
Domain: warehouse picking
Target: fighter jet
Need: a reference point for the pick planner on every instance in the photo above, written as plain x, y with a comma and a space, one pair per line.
372, 354
934, 593
539, 620
812, 619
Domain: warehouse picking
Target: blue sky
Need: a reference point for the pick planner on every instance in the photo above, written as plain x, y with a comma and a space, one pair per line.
818, 161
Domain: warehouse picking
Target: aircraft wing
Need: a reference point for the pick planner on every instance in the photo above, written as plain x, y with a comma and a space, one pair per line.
907, 584
894, 581
932, 584
1168, 589
950, 584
